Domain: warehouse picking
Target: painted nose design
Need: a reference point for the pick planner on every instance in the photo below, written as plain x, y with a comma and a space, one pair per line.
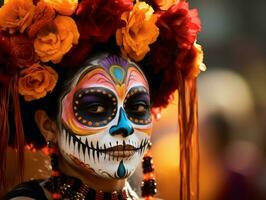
123, 126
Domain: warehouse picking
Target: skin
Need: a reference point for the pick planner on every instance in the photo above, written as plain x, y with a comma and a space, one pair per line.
50, 131
129, 125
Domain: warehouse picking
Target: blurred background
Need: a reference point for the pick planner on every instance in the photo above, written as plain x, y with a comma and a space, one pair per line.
232, 108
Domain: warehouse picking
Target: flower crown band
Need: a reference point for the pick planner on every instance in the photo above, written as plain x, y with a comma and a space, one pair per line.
36, 34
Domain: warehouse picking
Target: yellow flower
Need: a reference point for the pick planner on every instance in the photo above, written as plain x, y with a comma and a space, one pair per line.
16, 15
139, 32
192, 64
36, 81
64, 7
165, 4
55, 40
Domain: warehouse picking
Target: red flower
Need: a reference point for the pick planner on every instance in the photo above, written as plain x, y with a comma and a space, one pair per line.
191, 61
164, 54
180, 24
22, 50
98, 19
77, 55
174, 51
163, 71
179, 27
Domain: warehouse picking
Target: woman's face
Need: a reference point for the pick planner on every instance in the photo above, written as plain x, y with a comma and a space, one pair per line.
105, 118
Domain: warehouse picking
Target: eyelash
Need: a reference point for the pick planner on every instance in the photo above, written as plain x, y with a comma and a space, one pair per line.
140, 103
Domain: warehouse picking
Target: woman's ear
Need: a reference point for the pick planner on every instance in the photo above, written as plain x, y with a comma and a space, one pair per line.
46, 125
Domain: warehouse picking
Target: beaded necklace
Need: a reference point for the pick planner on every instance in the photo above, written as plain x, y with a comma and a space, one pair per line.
64, 187
71, 188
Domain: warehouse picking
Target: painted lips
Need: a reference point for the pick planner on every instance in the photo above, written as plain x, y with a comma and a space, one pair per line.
121, 151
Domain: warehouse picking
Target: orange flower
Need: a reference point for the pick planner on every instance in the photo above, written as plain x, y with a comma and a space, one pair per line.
140, 31
16, 15
55, 40
43, 15
64, 7
36, 81
165, 4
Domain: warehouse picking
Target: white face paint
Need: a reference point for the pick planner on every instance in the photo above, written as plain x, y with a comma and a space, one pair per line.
105, 118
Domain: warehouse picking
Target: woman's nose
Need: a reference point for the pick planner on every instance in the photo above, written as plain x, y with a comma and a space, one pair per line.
123, 127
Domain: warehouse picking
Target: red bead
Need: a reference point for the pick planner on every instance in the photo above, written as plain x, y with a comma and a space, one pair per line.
52, 150
99, 196
114, 196
124, 194
45, 150
56, 196
148, 154
55, 173
148, 176
148, 198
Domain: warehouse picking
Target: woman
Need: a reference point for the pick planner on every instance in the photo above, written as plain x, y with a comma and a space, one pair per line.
96, 117
102, 128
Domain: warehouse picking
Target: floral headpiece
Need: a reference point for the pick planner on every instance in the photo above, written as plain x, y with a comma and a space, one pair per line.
39, 36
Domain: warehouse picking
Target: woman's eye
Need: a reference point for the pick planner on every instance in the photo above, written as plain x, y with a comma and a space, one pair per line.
96, 109
141, 108
94, 106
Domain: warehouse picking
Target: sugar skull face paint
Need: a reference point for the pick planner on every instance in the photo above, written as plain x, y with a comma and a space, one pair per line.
105, 118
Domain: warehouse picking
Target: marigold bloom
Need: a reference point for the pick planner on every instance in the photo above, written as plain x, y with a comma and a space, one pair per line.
64, 7
36, 81
16, 15
139, 32
43, 15
54, 41
165, 4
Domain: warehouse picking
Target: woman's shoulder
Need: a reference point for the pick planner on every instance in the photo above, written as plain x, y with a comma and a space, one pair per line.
27, 191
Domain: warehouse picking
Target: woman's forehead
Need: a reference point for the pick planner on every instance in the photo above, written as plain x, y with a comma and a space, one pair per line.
114, 78
111, 72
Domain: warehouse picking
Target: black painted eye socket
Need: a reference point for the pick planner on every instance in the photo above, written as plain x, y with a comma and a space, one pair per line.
137, 106
95, 107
